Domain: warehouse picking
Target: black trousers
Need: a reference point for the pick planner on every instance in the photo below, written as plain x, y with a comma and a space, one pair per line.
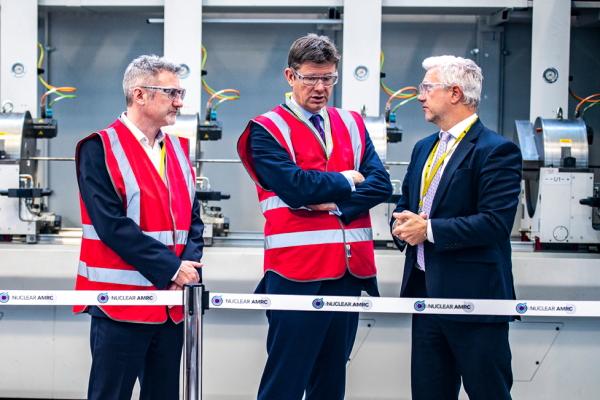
446, 351
308, 350
123, 352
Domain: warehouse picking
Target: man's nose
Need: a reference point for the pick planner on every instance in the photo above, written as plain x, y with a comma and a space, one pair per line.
320, 85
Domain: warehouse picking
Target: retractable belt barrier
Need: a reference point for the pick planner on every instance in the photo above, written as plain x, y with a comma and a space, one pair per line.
196, 300
393, 305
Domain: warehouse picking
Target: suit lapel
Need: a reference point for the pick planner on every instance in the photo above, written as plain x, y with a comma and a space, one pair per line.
415, 190
462, 150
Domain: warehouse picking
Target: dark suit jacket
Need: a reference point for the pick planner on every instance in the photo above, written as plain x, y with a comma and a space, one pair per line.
471, 218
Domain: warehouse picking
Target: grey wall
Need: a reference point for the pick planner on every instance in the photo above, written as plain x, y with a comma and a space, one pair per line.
93, 49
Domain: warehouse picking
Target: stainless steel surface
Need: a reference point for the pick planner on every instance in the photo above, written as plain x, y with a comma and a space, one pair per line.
527, 141
12, 130
51, 158
558, 133
396, 163
192, 342
378, 133
187, 127
219, 160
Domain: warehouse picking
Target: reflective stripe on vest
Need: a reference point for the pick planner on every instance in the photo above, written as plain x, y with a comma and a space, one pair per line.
275, 202
318, 237
283, 128
165, 237
109, 275
350, 123
185, 167
132, 189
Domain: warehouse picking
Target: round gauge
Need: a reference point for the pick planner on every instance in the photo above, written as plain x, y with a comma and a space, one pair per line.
361, 72
185, 71
550, 75
560, 233
18, 70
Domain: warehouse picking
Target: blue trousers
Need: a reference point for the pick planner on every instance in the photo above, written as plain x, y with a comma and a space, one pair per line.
307, 350
446, 351
123, 352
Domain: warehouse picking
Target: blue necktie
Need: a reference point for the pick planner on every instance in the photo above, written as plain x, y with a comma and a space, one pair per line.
316, 121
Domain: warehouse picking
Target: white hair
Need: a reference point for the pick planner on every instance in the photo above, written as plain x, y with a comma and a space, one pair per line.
461, 72
142, 69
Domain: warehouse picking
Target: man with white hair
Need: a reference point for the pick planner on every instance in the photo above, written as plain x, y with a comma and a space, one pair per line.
458, 203
141, 231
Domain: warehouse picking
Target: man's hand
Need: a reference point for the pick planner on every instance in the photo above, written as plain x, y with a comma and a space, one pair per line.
323, 207
187, 273
356, 176
410, 227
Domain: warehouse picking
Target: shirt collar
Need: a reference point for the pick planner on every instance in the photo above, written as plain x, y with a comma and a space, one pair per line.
137, 133
305, 113
457, 129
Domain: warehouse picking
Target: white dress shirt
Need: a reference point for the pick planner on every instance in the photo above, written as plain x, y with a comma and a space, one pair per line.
153, 151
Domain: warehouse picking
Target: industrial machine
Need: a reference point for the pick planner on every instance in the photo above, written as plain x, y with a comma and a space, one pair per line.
190, 127
23, 206
560, 197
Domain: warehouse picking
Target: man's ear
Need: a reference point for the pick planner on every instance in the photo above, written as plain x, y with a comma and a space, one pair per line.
289, 75
457, 95
138, 96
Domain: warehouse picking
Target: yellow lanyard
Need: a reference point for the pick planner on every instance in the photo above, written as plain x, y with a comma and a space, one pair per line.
163, 156
431, 170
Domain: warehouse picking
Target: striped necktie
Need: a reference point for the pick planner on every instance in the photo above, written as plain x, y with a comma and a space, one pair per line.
428, 200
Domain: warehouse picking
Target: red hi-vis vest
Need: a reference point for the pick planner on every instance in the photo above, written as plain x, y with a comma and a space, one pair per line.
164, 213
301, 244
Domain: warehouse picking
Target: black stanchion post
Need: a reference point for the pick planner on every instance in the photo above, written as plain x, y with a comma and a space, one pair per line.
194, 304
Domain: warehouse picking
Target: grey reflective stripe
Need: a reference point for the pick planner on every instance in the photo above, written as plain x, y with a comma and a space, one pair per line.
165, 237
89, 232
185, 167
109, 275
272, 203
318, 237
283, 128
132, 188
354, 135
275, 202
181, 237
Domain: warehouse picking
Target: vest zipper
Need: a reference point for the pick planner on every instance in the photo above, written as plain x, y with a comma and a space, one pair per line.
174, 231
347, 249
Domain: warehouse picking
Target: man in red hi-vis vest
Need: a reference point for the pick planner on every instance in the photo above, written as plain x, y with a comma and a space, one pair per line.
317, 176
141, 231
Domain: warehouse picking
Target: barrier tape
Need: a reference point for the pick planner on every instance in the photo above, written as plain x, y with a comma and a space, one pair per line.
392, 305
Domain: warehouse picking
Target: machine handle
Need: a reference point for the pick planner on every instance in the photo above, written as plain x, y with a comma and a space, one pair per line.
590, 201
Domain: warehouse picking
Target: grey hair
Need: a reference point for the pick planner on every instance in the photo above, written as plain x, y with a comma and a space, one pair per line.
140, 70
461, 72
313, 48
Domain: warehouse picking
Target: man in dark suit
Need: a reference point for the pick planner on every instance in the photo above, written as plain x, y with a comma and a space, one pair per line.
458, 203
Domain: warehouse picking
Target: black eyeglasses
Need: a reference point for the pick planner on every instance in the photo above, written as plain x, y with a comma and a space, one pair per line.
172, 93
312, 80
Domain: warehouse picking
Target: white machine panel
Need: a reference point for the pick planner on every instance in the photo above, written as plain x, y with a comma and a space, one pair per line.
560, 218
10, 224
